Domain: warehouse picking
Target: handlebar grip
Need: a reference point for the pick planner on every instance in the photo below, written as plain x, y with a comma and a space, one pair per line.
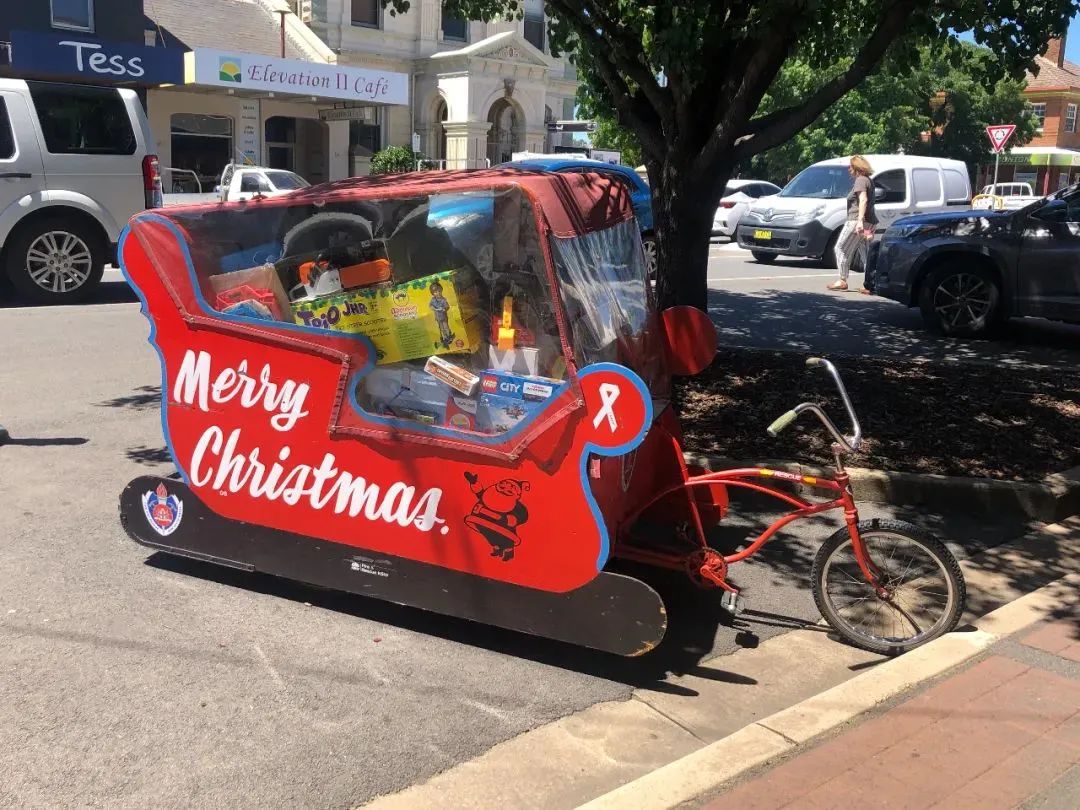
811, 362
781, 423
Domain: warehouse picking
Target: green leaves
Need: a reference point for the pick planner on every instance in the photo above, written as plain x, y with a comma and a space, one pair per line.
394, 159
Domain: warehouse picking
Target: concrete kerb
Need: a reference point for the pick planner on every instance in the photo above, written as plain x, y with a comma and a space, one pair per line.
708, 768
1053, 499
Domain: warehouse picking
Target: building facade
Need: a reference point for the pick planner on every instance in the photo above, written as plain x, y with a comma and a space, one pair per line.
250, 80
480, 91
1051, 161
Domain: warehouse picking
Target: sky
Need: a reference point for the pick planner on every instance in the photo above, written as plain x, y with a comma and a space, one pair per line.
1072, 40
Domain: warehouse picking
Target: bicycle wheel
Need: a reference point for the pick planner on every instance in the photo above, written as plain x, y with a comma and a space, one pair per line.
924, 589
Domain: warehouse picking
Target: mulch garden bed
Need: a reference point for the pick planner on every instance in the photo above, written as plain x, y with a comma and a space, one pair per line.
944, 418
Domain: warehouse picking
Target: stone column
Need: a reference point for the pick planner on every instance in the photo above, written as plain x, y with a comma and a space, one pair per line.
535, 139
466, 144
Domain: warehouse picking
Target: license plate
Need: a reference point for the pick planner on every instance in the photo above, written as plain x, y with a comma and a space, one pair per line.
763, 235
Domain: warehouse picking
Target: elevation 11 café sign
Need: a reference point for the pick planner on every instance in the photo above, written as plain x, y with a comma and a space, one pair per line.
248, 71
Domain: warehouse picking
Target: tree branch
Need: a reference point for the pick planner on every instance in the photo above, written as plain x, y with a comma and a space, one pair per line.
776, 128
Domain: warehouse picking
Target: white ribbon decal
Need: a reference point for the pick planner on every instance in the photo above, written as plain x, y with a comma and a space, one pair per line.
609, 392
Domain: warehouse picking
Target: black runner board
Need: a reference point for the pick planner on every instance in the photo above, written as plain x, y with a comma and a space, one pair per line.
613, 613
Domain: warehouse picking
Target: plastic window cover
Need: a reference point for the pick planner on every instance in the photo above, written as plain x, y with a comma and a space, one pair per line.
610, 305
489, 238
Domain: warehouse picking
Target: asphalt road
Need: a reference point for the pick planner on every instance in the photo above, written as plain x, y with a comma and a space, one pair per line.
785, 305
131, 680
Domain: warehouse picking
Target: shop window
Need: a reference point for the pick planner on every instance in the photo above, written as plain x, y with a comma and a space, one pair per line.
1070, 118
364, 139
7, 138
1039, 112
894, 184
78, 120
365, 13
73, 14
450, 291
535, 27
455, 29
202, 144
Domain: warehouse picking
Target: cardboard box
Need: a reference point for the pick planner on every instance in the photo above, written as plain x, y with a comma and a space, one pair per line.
405, 321
506, 399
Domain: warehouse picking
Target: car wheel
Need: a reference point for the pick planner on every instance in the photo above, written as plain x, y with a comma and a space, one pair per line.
648, 244
961, 301
828, 258
55, 261
763, 258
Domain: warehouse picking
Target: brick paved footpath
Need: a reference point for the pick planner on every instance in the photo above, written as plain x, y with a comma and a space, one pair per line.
1002, 733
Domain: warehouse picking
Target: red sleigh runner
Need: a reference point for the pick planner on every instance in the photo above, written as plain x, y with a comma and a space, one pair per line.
446, 390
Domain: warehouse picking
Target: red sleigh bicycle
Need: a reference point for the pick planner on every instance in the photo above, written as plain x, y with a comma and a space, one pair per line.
452, 391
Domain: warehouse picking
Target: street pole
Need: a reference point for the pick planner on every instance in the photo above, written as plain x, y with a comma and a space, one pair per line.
997, 160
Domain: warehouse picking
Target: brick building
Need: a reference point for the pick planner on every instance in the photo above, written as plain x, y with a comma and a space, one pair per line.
1052, 159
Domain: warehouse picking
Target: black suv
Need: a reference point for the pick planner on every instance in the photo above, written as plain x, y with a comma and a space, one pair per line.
970, 270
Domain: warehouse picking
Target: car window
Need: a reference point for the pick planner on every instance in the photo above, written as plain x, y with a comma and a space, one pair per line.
955, 186
894, 184
820, 183
78, 120
1070, 212
768, 189
927, 183
286, 181
7, 139
251, 183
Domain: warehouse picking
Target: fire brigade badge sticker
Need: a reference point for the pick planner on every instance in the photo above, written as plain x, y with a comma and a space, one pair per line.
163, 511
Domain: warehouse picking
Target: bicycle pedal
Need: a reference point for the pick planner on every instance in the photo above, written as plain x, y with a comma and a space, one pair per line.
733, 603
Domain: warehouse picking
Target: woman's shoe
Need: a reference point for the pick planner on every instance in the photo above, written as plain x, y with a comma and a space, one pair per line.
865, 291
837, 285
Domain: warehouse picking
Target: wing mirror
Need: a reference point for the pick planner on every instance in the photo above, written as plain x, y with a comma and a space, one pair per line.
879, 194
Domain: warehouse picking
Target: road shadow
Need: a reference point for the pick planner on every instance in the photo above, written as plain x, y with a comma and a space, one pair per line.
150, 456
693, 618
849, 324
108, 292
58, 441
145, 397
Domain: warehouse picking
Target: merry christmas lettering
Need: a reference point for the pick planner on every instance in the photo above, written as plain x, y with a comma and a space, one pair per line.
219, 462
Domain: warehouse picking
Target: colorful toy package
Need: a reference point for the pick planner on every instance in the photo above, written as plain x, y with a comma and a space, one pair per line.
506, 399
419, 318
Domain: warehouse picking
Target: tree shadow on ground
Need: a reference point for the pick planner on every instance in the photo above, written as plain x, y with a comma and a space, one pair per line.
150, 456
842, 325
143, 398
941, 418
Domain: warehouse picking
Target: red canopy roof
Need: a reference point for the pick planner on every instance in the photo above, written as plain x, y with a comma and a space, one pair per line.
571, 203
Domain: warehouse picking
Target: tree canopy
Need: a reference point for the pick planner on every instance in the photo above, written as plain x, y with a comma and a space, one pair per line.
690, 79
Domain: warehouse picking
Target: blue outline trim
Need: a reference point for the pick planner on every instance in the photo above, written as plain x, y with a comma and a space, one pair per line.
594, 507
145, 310
406, 425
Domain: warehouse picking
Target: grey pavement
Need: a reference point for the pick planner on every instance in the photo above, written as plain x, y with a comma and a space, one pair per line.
785, 306
129, 679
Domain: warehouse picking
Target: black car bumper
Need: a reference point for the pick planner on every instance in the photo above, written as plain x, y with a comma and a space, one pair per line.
810, 240
895, 267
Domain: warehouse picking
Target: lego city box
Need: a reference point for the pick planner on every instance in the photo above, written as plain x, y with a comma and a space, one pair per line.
427, 316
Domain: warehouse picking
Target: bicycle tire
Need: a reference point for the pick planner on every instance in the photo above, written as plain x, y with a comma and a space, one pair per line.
956, 592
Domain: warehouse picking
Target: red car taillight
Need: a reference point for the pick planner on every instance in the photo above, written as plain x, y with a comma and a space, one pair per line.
151, 172
727, 204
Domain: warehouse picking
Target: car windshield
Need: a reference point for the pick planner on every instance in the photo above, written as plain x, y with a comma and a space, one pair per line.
820, 182
286, 181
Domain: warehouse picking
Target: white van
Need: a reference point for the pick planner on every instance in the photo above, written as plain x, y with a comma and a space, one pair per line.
76, 163
805, 218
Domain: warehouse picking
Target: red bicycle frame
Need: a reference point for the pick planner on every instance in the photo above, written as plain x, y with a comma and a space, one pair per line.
713, 565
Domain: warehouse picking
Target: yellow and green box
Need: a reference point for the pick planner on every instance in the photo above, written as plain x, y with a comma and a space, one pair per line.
409, 321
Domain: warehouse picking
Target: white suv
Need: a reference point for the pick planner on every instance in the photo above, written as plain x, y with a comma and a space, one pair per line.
75, 165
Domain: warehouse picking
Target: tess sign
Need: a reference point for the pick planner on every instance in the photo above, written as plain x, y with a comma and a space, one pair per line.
247, 71
999, 135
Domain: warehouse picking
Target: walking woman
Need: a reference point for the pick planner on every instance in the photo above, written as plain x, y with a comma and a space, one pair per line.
861, 219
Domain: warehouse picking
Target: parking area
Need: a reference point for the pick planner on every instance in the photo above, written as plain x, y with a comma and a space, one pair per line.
785, 306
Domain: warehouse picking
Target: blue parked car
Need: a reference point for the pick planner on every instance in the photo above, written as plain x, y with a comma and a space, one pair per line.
640, 195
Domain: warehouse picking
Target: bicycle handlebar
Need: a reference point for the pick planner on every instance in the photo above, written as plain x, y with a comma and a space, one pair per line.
849, 443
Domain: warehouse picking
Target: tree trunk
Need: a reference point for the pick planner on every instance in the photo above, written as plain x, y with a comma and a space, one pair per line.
683, 209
